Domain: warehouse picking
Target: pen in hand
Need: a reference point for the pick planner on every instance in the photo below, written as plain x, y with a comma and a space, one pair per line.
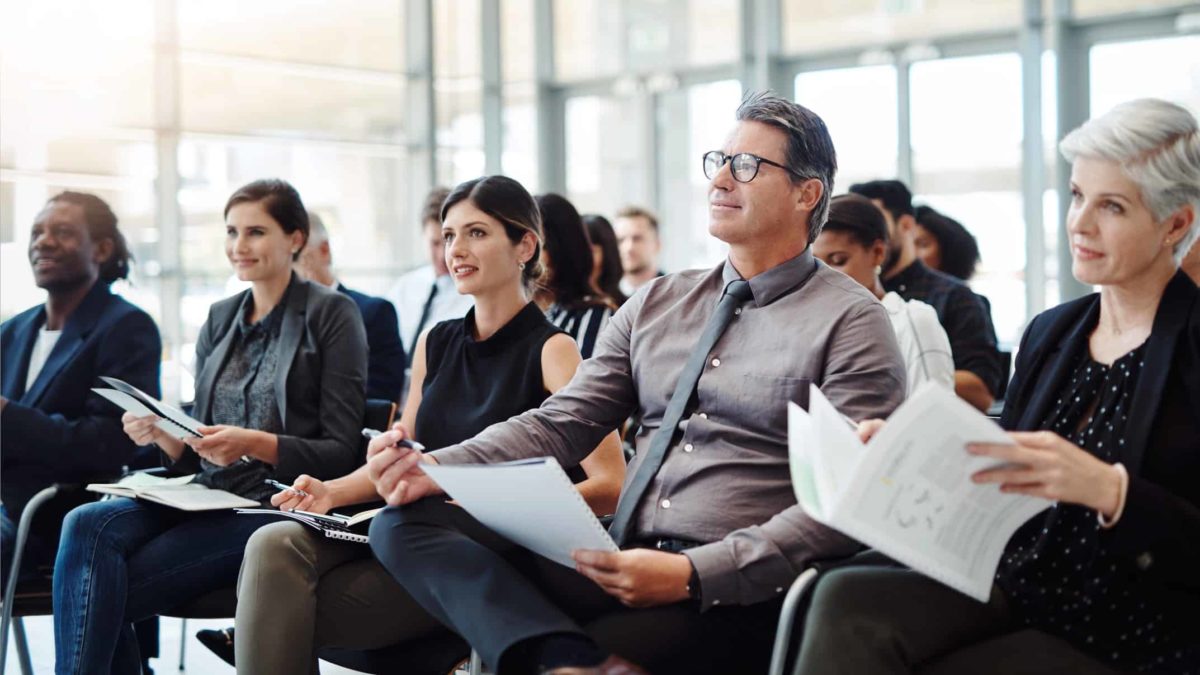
280, 486
372, 433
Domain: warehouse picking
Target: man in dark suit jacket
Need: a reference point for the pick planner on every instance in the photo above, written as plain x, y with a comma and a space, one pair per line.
385, 368
52, 427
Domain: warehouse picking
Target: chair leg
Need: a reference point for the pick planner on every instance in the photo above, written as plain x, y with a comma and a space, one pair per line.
182, 644
10, 590
787, 619
22, 646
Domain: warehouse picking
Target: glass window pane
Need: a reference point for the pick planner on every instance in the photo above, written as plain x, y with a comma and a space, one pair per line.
241, 96
859, 106
519, 159
459, 109
691, 121
587, 38
456, 42
363, 34
966, 162
518, 52
1093, 8
606, 164
822, 25
1167, 67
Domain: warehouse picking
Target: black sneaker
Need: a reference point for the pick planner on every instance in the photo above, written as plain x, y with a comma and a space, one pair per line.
219, 642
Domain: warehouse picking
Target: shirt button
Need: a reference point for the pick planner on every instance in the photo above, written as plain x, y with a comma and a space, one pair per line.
738, 310
703, 416
716, 602
688, 447
779, 589
666, 503
716, 362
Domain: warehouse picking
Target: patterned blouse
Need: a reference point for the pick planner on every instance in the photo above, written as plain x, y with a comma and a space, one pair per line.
1057, 573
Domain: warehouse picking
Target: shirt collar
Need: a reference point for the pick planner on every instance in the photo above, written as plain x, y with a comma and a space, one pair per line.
769, 286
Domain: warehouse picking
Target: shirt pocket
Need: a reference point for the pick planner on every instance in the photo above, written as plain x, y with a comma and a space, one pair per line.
759, 402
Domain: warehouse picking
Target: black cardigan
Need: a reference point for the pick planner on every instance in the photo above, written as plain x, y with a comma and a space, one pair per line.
1159, 530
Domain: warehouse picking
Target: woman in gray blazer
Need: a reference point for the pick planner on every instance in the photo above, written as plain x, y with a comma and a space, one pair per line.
280, 384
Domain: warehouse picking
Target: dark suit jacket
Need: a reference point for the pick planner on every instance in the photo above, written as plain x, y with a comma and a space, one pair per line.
385, 367
320, 383
59, 431
1160, 528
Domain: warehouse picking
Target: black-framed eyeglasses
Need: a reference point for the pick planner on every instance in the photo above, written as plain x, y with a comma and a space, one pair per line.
743, 166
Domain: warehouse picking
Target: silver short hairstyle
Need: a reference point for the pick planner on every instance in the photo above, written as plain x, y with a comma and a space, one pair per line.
316, 229
810, 150
1157, 145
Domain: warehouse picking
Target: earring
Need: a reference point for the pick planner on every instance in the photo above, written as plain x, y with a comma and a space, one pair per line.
878, 270
521, 266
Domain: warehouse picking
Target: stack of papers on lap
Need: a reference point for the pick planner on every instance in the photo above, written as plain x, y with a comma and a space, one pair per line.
179, 493
334, 526
908, 492
173, 420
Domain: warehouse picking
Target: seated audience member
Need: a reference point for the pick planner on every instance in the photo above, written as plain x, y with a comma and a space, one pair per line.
566, 292
1103, 412
52, 427
425, 296
280, 380
300, 590
385, 367
978, 369
709, 525
943, 244
637, 237
606, 258
854, 242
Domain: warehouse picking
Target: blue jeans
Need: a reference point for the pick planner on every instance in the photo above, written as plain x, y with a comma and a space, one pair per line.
121, 561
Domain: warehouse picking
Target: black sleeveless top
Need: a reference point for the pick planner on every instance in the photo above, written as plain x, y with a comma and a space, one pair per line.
471, 385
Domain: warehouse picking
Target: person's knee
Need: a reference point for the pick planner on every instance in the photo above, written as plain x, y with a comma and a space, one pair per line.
846, 601
279, 550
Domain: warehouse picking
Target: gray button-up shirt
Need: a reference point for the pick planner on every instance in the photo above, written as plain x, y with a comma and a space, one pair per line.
726, 481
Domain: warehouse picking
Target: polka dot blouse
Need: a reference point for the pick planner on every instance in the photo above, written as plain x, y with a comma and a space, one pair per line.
1056, 571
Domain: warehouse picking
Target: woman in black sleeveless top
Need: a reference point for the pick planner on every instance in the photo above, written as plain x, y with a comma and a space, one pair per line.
299, 591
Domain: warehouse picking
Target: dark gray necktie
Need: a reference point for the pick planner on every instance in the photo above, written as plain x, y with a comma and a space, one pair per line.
735, 294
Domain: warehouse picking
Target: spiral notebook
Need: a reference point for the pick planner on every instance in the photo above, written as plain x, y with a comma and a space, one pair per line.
531, 502
333, 525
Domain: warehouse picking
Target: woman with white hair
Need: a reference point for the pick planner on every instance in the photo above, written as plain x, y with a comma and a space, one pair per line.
1102, 412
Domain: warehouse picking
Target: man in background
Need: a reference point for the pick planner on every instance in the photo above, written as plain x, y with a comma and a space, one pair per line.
426, 296
638, 242
385, 368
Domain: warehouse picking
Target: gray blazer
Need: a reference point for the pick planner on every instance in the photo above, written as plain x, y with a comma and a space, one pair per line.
320, 386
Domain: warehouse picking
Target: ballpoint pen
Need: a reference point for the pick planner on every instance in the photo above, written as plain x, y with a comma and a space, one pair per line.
372, 433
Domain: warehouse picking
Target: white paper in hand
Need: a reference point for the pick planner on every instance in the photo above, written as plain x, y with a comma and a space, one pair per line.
529, 502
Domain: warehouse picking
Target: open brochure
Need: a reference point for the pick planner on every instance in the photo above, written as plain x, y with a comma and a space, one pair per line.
334, 526
530, 502
174, 421
178, 492
908, 491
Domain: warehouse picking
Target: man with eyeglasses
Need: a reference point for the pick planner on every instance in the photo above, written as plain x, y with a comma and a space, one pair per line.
710, 531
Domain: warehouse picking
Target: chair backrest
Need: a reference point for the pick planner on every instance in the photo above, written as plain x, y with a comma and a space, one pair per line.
378, 415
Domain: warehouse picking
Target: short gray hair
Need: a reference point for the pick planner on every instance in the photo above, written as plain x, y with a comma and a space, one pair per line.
316, 229
1157, 145
810, 150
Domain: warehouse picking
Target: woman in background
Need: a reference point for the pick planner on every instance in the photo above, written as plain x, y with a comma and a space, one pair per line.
606, 258
567, 295
854, 242
944, 244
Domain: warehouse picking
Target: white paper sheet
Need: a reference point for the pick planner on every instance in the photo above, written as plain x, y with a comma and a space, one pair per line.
530, 502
